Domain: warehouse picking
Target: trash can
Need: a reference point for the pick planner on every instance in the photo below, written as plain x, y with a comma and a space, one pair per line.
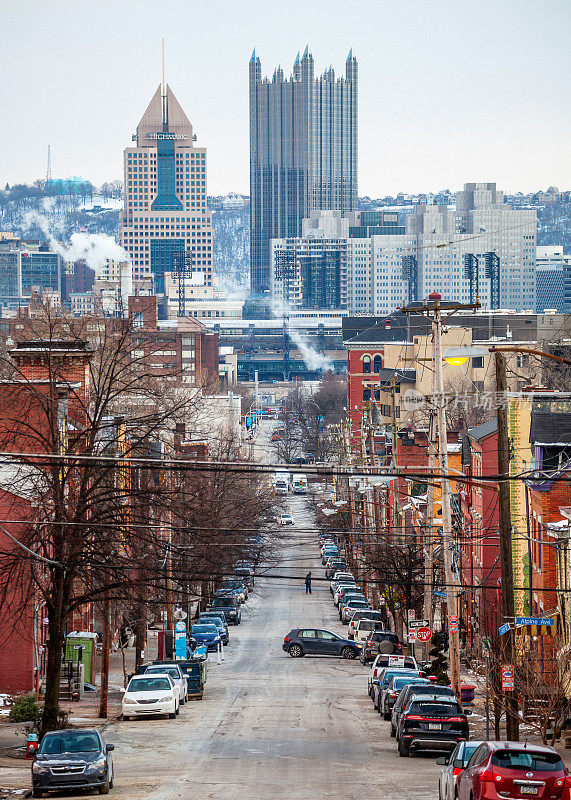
80, 647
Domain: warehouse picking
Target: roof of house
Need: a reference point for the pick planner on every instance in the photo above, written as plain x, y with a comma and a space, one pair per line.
484, 430
550, 428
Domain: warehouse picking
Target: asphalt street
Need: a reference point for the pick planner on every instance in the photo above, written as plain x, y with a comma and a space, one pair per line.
271, 726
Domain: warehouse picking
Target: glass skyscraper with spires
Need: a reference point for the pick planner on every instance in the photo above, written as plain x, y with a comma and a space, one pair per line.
303, 152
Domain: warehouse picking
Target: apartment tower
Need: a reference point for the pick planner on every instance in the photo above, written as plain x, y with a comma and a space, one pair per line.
303, 152
166, 225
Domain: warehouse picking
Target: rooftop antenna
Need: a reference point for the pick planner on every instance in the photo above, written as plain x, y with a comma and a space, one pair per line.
164, 94
49, 166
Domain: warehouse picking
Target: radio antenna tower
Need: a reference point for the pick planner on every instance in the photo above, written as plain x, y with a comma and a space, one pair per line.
165, 105
49, 166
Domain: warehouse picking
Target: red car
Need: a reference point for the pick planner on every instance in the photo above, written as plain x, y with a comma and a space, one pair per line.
499, 770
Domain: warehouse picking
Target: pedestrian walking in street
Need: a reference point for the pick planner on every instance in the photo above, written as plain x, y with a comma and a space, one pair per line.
308, 583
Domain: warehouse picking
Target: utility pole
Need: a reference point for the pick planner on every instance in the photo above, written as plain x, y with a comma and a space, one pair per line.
433, 309
395, 454
505, 525
451, 598
429, 537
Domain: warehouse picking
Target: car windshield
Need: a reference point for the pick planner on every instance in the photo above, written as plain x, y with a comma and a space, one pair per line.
148, 685
73, 742
527, 760
222, 602
433, 709
398, 683
357, 603
212, 621
204, 628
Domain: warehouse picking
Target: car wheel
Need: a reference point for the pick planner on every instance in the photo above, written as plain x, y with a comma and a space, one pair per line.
386, 714
404, 750
172, 716
348, 653
295, 651
105, 788
393, 731
37, 793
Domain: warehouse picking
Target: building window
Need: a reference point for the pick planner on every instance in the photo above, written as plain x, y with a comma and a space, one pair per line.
377, 364
366, 364
366, 394
478, 362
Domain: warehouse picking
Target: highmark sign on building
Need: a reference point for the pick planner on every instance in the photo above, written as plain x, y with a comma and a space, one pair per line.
161, 137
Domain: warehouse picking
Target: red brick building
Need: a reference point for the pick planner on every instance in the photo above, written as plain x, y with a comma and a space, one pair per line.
184, 348
480, 548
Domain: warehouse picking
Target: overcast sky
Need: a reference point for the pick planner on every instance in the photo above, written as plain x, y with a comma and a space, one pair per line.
449, 91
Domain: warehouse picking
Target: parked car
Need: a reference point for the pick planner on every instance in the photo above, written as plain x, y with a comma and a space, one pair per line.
150, 695
314, 641
235, 585
427, 724
77, 758
390, 693
363, 628
194, 669
380, 642
372, 616
230, 606
338, 586
211, 617
453, 765
177, 676
334, 565
329, 551
381, 662
285, 519
339, 577
349, 596
350, 607
383, 679
344, 592
207, 634
246, 574
430, 691
522, 770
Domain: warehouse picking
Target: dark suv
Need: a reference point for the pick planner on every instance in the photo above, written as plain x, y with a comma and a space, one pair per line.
428, 724
229, 605
380, 642
420, 691
72, 759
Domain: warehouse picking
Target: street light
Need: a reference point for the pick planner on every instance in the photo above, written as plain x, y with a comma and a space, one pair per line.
457, 356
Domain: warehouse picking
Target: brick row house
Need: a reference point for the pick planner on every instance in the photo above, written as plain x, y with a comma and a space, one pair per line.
25, 428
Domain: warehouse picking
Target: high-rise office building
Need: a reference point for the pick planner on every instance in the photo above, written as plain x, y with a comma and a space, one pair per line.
26, 267
303, 152
553, 274
166, 225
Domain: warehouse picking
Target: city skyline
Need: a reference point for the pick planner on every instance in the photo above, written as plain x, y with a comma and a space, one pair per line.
449, 93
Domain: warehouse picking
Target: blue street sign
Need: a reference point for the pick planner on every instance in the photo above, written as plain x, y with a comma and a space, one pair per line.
180, 639
534, 621
438, 593
504, 628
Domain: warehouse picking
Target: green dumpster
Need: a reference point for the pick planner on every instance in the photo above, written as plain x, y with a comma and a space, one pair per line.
81, 645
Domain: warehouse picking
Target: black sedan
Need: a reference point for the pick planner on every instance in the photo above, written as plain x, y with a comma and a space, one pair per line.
313, 641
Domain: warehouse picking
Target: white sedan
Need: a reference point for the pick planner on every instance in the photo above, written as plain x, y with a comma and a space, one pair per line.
285, 519
176, 675
150, 695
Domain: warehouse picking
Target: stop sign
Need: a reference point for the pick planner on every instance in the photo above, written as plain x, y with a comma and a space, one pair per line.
423, 634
